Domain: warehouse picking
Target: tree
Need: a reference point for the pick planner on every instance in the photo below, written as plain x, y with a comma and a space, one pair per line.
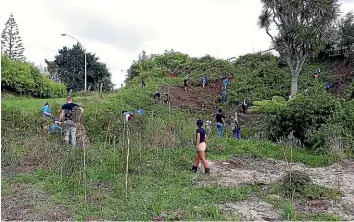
301, 27
68, 67
346, 30
11, 42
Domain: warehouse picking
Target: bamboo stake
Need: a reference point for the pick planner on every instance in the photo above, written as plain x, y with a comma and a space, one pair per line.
126, 169
84, 149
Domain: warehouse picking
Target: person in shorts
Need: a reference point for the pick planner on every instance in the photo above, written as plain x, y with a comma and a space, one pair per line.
201, 145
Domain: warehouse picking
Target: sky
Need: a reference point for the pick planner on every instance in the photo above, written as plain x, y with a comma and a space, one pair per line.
118, 30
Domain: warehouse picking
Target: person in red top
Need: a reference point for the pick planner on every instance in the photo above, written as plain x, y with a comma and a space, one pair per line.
201, 144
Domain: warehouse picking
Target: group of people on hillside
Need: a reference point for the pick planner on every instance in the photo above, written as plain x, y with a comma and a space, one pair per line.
67, 121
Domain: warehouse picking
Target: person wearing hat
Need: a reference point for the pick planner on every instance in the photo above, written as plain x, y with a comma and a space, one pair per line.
201, 145
45, 111
235, 127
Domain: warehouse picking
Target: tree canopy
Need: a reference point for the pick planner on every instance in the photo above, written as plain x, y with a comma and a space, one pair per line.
68, 67
301, 29
11, 42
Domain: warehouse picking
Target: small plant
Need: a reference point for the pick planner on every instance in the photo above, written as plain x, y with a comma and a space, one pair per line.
295, 182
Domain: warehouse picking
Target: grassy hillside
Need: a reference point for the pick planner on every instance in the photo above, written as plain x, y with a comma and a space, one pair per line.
161, 151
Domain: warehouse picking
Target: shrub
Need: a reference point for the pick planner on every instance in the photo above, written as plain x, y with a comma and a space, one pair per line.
300, 115
295, 182
25, 79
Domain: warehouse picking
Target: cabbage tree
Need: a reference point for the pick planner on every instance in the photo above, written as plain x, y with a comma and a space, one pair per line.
300, 29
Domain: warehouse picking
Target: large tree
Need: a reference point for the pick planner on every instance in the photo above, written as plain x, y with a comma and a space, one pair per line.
346, 30
300, 29
11, 42
68, 67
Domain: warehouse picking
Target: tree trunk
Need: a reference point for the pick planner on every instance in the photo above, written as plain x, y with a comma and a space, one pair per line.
294, 80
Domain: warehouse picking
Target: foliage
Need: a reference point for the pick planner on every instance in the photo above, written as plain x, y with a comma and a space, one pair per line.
338, 134
180, 65
259, 77
68, 67
300, 115
296, 37
23, 78
11, 42
295, 182
345, 31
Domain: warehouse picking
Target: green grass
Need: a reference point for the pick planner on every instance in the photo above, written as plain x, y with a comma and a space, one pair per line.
265, 149
164, 186
160, 180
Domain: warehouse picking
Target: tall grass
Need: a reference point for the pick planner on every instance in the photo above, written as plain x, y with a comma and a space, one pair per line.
130, 172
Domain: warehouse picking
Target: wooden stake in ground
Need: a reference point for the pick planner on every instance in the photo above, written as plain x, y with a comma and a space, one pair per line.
127, 166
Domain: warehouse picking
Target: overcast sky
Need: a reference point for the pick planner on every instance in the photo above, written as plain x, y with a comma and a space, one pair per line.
118, 30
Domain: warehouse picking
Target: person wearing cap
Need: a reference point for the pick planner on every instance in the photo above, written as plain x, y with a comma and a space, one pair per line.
45, 111
201, 145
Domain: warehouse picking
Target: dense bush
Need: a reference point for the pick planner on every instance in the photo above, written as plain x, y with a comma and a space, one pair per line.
307, 117
338, 134
159, 65
25, 79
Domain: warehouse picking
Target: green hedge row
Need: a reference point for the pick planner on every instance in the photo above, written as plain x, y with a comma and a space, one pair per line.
25, 79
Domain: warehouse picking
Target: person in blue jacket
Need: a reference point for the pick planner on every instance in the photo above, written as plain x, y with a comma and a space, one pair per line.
225, 82
45, 111
139, 111
55, 127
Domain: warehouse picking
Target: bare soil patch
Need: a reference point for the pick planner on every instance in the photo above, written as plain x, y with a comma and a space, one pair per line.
30, 203
247, 170
253, 210
195, 96
12, 170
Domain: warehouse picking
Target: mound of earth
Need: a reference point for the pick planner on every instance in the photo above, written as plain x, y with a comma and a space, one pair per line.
195, 96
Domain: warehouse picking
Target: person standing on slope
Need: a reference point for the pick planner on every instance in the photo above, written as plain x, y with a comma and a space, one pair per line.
185, 83
70, 113
225, 82
201, 145
204, 81
235, 128
220, 122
